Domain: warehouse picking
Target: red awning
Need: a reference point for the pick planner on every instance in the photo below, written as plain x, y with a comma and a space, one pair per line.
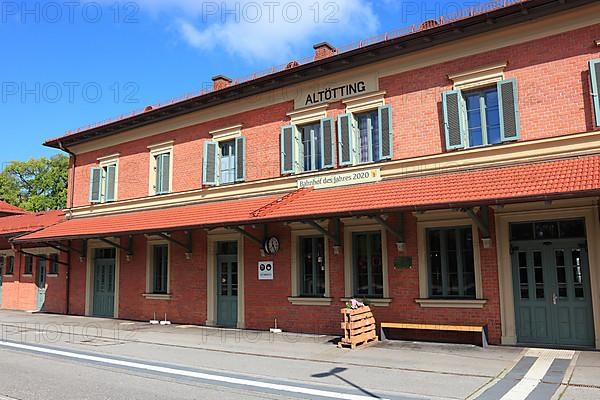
575, 177
17, 224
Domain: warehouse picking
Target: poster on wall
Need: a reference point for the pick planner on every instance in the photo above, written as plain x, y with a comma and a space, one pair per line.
265, 270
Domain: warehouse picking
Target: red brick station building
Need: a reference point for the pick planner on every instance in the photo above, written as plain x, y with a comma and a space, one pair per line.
448, 172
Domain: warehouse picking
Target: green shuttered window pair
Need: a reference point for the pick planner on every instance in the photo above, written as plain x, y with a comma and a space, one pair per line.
481, 117
224, 162
307, 148
365, 137
103, 182
595, 81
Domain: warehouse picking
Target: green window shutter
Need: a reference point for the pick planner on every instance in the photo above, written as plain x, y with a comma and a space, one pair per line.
345, 139
508, 102
327, 143
211, 154
288, 149
595, 80
240, 154
454, 119
111, 180
95, 185
163, 167
385, 133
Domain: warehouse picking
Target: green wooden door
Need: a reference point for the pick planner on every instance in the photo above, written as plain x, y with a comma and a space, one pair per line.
104, 287
553, 303
227, 290
41, 283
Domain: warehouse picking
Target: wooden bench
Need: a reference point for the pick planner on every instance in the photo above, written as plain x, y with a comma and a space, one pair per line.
445, 328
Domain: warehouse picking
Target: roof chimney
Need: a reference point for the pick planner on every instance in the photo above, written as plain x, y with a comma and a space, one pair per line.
323, 50
221, 82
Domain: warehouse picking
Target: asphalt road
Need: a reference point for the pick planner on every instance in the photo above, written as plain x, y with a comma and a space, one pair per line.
36, 371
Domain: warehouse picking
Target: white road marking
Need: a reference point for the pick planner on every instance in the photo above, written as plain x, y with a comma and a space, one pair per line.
537, 372
190, 374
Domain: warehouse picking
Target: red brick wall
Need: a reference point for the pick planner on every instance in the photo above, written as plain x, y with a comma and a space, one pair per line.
554, 99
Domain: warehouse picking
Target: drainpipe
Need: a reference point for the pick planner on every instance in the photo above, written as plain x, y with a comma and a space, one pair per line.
69, 206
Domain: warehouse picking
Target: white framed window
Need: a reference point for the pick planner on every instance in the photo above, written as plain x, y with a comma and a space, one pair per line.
365, 132
161, 168
104, 180
158, 270
449, 261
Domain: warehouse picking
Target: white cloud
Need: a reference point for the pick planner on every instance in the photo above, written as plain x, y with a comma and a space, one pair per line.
267, 30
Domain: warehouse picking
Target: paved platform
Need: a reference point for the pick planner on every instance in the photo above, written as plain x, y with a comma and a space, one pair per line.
423, 370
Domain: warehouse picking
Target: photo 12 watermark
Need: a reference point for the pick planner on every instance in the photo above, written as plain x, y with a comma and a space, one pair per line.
68, 92
52, 12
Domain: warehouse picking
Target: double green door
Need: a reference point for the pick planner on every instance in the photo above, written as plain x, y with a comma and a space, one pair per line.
41, 284
104, 287
553, 302
227, 290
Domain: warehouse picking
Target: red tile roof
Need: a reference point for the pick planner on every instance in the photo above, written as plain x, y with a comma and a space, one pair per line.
214, 213
6, 208
18, 224
529, 182
537, 181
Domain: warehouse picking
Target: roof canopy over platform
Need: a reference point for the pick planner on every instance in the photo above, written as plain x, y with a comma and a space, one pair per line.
576, 177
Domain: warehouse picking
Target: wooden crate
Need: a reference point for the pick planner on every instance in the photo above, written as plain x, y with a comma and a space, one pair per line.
359, 328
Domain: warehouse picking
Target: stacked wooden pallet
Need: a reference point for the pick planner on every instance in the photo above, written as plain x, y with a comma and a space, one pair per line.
359, 328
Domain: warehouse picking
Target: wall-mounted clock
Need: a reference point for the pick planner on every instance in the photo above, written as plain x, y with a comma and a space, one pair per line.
271, 245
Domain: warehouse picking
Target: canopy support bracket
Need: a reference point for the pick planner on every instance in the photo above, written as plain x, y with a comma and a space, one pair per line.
187, 246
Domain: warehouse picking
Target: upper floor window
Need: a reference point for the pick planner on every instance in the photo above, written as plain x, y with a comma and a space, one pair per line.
451, 262
103, 183
307, 147
481, 117
161, 168
365, 137
595, 81
224, 161
311, 147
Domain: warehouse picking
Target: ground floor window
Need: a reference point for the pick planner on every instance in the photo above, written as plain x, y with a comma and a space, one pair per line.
160, 269
10, 265
28, 265
53, 264
368, 264
312, 260
451, 262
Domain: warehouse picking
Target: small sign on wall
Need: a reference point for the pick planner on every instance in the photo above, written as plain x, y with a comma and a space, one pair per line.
265, 270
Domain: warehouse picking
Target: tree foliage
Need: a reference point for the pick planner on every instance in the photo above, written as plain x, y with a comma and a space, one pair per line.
39, 184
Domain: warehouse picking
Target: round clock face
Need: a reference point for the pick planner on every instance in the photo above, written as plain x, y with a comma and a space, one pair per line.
272, 245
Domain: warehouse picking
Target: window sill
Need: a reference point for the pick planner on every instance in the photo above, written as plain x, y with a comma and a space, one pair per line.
310, 301
153, 296
52, 276
27, 275
376, 302
9, 275
449, 303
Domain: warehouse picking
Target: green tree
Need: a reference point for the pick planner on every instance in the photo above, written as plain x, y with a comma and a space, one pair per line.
39, 184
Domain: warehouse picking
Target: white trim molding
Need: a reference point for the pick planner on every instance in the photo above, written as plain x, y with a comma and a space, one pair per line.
228, 133
299, 231
478, 77
446, 219
155, 150
365, 102
355, 225
213, 237
308, 115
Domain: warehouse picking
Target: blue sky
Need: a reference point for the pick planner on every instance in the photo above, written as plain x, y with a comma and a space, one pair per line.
66, 64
